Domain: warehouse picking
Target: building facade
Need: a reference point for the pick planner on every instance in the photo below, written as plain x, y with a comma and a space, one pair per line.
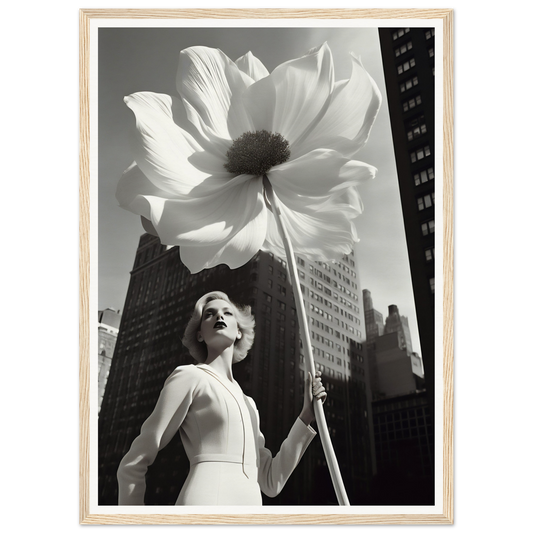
108, 327
404, 441
409, 69
161, 296
374, 328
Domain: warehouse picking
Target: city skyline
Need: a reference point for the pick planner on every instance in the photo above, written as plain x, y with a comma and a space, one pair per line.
135, 59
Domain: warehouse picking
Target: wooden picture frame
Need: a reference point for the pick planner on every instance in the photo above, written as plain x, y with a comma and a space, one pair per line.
392, 17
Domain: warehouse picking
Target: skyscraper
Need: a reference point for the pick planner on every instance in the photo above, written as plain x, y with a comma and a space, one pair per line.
409, 69
374, 328
160, 299
396, 369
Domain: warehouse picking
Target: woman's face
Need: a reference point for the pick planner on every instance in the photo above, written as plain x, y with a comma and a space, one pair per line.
218, 328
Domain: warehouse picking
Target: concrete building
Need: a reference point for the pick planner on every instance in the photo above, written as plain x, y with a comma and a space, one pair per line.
108, 327
395, 374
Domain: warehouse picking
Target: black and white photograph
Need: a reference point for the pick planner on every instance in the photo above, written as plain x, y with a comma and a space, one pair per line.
269, 214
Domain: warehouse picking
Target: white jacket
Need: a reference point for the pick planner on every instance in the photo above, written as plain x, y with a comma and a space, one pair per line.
218, 424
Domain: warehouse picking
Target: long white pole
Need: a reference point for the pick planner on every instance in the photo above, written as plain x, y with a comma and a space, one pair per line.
331, 459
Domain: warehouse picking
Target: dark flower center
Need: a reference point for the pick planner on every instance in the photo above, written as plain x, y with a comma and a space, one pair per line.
256, 153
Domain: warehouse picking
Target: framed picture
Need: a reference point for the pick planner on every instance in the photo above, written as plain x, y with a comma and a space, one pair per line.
233, 150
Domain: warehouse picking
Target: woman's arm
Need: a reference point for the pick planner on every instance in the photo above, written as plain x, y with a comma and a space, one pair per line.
156, 432
275, 471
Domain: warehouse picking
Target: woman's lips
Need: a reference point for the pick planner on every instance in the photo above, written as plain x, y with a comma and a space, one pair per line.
220, 325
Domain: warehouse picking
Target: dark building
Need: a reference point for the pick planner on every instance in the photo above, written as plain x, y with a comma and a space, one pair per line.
404, 441
409, 69
374, 328
108, 327
161, 296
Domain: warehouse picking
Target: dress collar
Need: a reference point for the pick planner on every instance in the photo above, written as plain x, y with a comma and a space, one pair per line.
223, 379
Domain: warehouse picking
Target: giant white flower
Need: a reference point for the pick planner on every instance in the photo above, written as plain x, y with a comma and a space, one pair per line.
201, 157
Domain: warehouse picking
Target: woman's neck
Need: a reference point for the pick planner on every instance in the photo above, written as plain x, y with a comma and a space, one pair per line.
221, 362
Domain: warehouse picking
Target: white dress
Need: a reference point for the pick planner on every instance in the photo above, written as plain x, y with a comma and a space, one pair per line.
219, 428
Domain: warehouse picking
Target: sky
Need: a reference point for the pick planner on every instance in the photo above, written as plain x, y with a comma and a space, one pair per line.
145, 59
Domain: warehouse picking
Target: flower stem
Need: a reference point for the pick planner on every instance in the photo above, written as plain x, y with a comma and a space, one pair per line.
331, 459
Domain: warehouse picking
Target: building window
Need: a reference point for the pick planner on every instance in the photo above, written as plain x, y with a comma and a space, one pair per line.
404, 67
417, 127
424, 176
426, 201
430, 33
431, 52
420, 153
409, 84
402, 49
428, 227
430, 254
432, 284
412, 103
400, 33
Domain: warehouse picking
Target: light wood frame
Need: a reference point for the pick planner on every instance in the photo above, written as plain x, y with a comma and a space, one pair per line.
84, 256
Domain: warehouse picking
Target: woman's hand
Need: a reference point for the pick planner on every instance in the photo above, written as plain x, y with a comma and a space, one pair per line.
313, 389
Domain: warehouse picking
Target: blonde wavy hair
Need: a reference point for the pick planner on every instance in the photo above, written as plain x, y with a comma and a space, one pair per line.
245, 322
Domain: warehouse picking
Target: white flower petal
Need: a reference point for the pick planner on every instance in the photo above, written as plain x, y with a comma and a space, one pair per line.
133, 183
321, 236
318, 174
289, 99
235, 253
161, 147
350, 115
200, 253
250, 65
211, 215
212, 84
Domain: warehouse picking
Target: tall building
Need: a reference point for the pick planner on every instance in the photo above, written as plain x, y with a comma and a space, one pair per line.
108, 326
409, 69
333, 298
159, 301
395, 368
404, 441
374, 328
396, 323
402, 428
395, 373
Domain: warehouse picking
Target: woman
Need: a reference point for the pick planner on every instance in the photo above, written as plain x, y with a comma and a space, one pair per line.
218, 423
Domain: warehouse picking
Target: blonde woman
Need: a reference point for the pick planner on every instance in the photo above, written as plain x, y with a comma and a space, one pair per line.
218, 423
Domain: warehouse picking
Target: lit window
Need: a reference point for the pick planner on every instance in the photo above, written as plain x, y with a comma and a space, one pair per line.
417, 127
431, 52
409, 84
411, 103
430, 254
432, 284
430, 33
426, 201
424, 176
428, 227
400, 33
404, 67
419, 154
402, 49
